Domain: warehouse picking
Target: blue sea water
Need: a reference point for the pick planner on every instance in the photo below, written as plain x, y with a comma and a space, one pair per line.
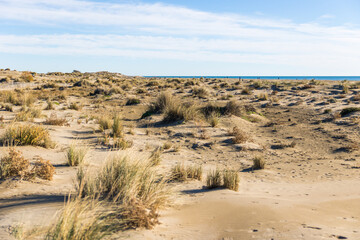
334, 78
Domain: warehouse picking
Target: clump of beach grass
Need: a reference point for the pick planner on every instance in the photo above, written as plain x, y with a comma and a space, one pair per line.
105, 123
182, 173
214, 179
76, 154
227, 178
117, 127
239, 135
122, 180
231, 179
155, 156
28, 134
81, 218
258, 163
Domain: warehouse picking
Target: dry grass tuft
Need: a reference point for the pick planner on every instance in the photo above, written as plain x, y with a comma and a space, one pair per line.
239, 135
234, 108
181, 173
214, 179
27, 135
105, 123
76, 155
231, 179
263, 97
178, 111
54, 120
258, 163
28, 113
200, 92
161, 103
123, 180
117, 127
132, 101
214, 119
167, 145
155, 157
75, 106
81, 219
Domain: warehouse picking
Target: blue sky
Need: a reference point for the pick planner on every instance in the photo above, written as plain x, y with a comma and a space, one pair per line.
173, 37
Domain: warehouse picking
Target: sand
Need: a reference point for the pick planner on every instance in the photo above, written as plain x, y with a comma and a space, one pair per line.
309, 191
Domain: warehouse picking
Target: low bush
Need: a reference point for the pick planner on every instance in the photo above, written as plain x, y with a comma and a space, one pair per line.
44, 169
13, 165
27, 77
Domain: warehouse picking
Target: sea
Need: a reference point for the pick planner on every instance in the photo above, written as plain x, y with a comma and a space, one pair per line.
334, 78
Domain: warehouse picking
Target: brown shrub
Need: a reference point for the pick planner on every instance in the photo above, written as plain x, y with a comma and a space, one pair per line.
239, 135
13, 165
27, 77
44, 169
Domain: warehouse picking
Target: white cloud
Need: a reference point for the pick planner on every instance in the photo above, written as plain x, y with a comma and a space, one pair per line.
173, 32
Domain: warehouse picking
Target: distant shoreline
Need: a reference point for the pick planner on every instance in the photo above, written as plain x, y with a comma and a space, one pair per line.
334, 78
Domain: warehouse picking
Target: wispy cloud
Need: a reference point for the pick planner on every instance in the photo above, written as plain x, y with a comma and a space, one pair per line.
173, 32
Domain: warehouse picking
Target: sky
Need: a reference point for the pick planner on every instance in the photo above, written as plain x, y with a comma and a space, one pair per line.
182, 38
